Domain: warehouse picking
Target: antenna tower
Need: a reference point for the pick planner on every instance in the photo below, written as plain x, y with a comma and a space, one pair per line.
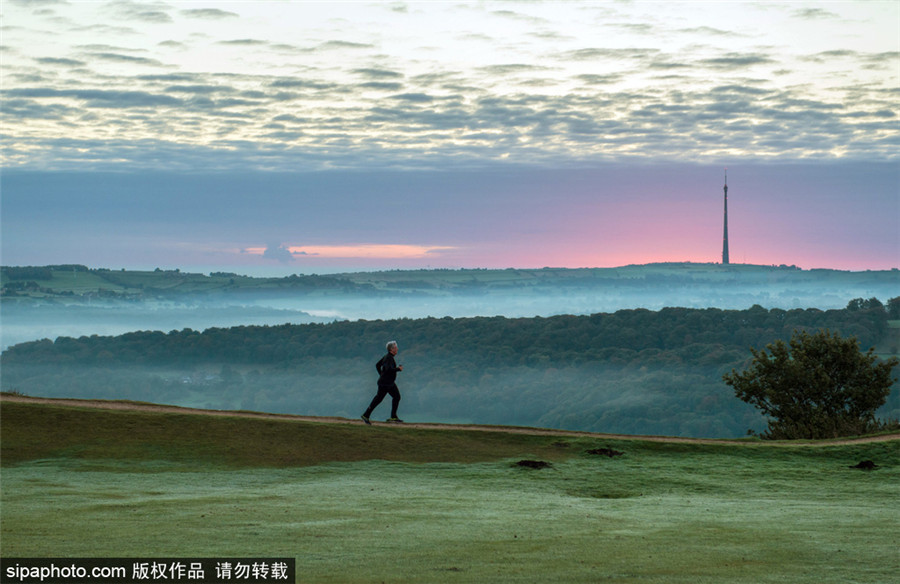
725, 235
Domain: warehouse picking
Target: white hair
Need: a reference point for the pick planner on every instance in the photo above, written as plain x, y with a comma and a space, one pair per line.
389, 345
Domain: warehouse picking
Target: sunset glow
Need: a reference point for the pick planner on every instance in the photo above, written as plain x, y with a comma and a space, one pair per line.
364, 251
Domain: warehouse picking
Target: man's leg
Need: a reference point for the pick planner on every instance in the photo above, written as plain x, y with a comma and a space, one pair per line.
382, 391
395, 399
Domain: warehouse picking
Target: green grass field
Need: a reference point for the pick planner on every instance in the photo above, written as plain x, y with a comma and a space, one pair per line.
393, 504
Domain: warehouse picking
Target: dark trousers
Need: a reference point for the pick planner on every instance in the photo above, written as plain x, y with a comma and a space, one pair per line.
384, 390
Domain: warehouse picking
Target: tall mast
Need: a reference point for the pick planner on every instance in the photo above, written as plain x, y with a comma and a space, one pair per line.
725, 235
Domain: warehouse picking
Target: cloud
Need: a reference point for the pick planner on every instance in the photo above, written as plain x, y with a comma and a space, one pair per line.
287, 49
513, 68
518, 16
209, 13
369, 251
127, 59
354, 97
62, 62
278, 253
153, 13
106, 29
245, 42
378, 74
199, 89
170, 77
100, 97
599, 54
825, 56
814, 14
709, 30
887, 61
727, 118
38, 3
733, 61
340, 45
414, 97
595, 79
101, 48
31, 109
295, 83
641, 28
287, 253
885, 113
382, 86
458, 128
289, 118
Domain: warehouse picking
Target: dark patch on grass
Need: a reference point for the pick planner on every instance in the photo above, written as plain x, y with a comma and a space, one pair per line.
605, 452
533, 464
865, 465
612, 495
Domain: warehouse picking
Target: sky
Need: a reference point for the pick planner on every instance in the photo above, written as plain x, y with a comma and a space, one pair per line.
287, 137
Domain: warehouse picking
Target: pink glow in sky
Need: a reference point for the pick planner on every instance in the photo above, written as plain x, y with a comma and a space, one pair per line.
809, 215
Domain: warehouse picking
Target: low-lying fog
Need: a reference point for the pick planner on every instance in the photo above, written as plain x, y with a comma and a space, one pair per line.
652, 397
21, 323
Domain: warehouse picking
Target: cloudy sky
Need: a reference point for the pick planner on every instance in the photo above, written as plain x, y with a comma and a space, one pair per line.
299, 137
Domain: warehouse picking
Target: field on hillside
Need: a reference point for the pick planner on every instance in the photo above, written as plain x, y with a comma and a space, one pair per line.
391, 504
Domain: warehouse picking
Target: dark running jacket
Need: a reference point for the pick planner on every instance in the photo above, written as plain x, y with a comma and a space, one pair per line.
387, 370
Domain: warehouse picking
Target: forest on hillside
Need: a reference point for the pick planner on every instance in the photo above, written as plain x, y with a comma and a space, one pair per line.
631, 371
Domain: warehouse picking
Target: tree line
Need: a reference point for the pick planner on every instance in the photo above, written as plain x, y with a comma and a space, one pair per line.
670, 335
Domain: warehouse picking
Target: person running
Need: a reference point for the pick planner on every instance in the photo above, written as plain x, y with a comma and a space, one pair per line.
387, 375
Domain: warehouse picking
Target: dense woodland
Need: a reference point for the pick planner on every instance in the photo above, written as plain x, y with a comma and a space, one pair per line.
632, 371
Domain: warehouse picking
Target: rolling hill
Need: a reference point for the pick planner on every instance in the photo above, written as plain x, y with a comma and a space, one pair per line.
354, 503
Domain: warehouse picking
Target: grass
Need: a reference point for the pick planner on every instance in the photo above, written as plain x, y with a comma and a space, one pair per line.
188, 440
393, 504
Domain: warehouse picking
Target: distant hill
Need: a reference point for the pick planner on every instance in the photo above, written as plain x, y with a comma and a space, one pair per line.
77, 283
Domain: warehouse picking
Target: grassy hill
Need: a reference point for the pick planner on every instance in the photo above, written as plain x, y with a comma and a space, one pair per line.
370, 504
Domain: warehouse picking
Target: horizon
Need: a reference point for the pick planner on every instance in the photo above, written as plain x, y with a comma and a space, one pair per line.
303, 137
275, 272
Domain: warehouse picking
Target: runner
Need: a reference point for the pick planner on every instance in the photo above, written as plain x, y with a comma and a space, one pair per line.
387, 375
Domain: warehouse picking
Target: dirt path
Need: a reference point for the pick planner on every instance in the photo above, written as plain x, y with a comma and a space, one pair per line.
148, 407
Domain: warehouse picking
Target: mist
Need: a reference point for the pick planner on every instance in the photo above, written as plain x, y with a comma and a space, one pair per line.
23, 322
600, 399
659, 400
631, 371
421, 294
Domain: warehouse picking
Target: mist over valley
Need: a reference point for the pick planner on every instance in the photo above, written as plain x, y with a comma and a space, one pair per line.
635, 350
54, 301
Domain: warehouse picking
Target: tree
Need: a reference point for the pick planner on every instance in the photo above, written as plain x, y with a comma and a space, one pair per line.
819, 386
893, 307
863, 304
